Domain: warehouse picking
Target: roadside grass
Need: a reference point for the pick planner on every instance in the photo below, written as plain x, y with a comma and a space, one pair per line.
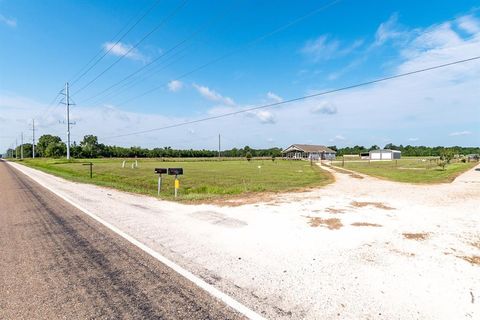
202, 180
412, 170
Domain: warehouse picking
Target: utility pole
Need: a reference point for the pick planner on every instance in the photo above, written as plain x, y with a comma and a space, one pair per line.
33, 138
16, 147
219, 146
67, 104
21, 148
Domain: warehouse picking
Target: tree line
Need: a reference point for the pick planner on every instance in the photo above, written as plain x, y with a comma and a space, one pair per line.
50, 146
408, 150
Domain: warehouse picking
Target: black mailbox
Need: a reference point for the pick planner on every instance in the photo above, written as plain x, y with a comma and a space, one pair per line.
160, 170
175, 171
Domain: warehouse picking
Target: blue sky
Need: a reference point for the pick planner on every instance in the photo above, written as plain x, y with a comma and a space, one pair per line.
46, 43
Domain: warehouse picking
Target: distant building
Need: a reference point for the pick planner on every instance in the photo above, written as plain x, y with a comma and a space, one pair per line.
308, 151
365, 155
385, 154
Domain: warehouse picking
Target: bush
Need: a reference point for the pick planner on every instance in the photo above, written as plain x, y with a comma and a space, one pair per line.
248, 156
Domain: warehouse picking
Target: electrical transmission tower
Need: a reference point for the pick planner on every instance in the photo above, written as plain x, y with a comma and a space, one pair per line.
33, 138
67, 104
21, 148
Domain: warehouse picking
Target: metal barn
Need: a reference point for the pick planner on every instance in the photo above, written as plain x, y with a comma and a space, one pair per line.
385, 154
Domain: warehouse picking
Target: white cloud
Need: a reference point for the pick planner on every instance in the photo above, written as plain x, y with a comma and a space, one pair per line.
413, 139
460, 133
121, 49
274, 97
322, 48
389, 30
469, 24
8, 21
212, 95
338, 137
324, 107
175, 85
265, 116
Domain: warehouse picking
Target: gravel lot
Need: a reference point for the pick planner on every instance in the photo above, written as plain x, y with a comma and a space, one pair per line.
360, 248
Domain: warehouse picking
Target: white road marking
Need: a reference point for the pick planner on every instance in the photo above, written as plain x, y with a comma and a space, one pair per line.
187, 274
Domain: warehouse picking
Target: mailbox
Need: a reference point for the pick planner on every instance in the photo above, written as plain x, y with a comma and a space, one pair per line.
160, 170
175, 171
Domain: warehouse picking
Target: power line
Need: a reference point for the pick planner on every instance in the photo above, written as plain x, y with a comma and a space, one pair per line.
166, 52
300, 98
133, 74
249, 44
162, 22
49, 107
76, 79
134, 82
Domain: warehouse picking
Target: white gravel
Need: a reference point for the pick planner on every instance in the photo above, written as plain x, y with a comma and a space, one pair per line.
270, 258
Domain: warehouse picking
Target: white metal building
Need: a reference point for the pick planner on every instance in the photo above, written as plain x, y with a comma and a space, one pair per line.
385, 154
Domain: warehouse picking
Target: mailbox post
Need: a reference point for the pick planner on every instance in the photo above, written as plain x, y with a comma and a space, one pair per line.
160, 171
176, 172
91, 168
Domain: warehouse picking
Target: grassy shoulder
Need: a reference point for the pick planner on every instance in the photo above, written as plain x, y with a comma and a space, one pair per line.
202, 180
411, 170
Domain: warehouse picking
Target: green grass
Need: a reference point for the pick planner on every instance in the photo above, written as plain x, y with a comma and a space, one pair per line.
412, 170
201, 180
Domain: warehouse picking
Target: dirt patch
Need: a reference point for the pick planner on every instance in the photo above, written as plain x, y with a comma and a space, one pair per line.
331, 223
416, 236
379, 205
472, 259
476, 244
350, 173
365, 224
335, 210
270, 198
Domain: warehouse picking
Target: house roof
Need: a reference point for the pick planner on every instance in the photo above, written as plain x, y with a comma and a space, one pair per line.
309, 148
384, 150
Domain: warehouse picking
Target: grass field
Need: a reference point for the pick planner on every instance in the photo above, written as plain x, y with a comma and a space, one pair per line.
413, 170
201, 180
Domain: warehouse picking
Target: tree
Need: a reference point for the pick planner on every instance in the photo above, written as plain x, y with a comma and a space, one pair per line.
43, 143
56, 150
446, 155
27, 150
90, 147
248, 155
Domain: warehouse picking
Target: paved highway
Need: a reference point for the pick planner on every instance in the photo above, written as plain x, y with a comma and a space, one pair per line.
58, 263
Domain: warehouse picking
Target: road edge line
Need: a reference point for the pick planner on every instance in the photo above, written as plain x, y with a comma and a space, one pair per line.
234, 304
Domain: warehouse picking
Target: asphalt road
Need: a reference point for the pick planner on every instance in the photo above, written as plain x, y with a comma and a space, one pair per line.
58, 263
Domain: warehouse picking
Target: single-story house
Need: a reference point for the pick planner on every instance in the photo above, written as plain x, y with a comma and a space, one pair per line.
385, 154
308, 151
